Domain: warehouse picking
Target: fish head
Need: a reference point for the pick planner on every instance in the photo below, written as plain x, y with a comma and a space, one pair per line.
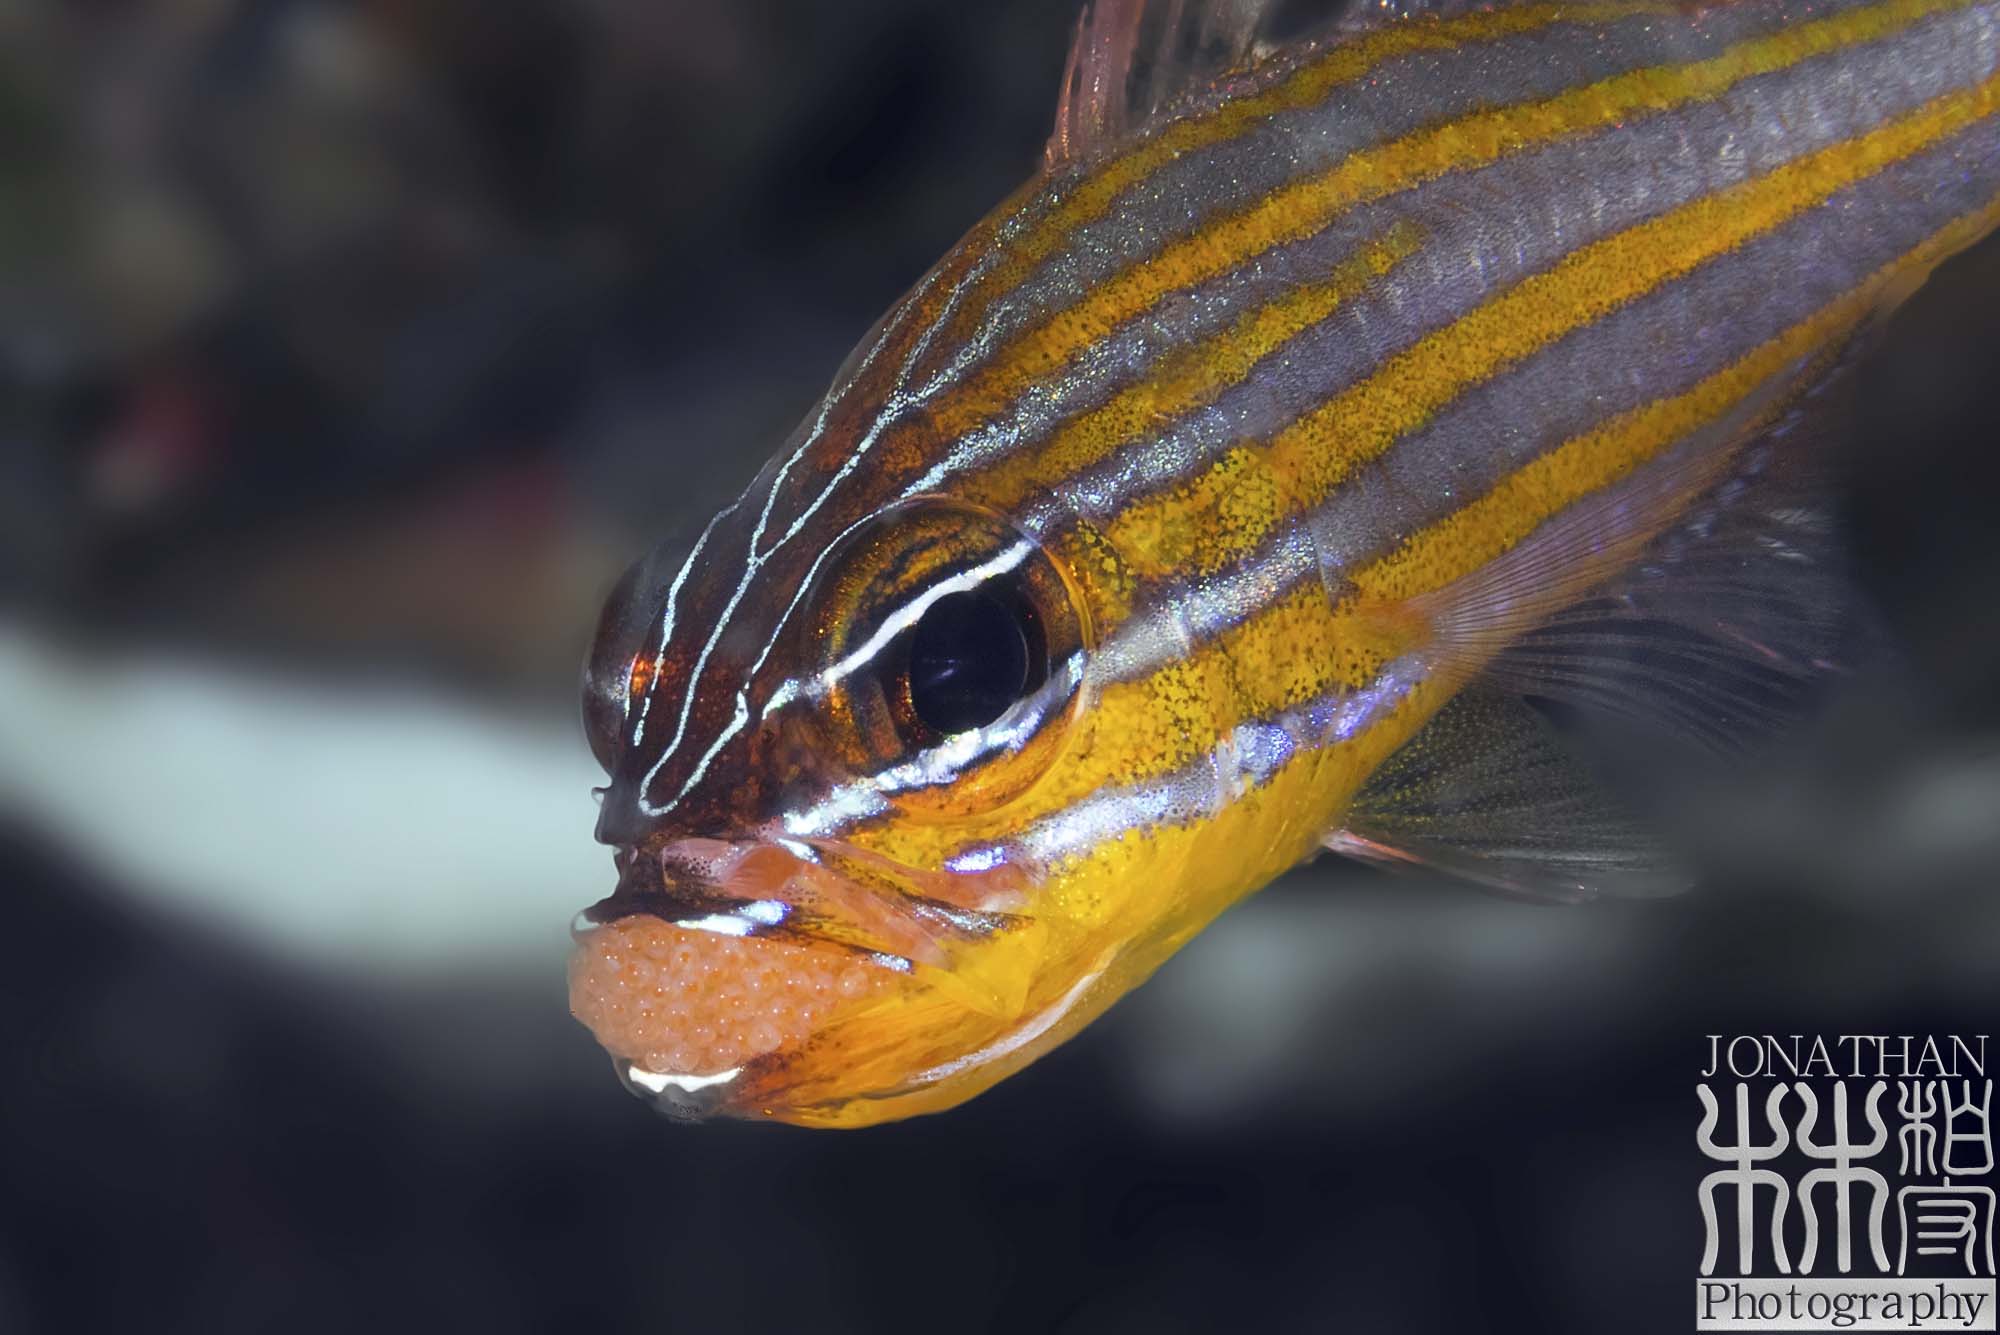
818, 748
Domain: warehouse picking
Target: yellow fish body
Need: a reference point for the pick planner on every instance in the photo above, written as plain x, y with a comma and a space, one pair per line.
1220, 495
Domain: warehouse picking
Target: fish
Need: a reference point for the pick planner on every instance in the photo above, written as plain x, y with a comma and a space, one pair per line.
1330, 411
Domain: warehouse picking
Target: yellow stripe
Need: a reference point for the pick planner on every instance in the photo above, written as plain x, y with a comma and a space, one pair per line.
1490, 526
1286, 655
1225, 513
1304, 646
1347, 63
1271, 826
1305, 207
1194, 375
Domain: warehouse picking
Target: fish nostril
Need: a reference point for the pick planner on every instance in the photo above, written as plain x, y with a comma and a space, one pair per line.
613, 822
620, 821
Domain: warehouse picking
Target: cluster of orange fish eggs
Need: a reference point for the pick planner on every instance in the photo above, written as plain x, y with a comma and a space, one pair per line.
684, 1002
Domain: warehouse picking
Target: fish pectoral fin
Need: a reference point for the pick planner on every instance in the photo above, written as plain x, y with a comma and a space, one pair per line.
1732, 606
1706, 599
1487, 793
1725, 631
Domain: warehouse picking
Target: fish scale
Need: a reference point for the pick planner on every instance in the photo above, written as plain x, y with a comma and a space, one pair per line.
1312, 387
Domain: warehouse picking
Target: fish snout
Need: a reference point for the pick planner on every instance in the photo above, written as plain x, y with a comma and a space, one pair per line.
620, 822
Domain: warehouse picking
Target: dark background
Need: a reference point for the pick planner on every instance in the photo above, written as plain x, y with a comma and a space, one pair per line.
350, 349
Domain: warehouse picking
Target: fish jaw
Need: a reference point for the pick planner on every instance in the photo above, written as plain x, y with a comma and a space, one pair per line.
748, 980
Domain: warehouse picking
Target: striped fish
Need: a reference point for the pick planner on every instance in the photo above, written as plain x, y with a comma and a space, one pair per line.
1220, 497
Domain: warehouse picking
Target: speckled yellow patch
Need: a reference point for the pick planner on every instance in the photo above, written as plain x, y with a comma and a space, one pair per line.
1223, 514
1307, 86
1305, 207
1194, 375
1493, 524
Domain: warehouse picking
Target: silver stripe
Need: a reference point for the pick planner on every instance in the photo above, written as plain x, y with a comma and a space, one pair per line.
667, 618
1400, 96
1253, 754
1555, 199
755, 558
1580, 382
1169, 629
1577, 383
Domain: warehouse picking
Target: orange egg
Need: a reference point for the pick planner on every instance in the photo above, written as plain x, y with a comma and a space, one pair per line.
684, 1002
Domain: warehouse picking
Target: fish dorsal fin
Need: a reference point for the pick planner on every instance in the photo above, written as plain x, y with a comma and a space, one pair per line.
1486, 792
1132, 60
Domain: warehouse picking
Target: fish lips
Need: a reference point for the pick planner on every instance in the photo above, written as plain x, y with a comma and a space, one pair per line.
821, 893
685, 887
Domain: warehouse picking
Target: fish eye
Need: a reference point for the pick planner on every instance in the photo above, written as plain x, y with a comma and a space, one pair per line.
625, 650
608, 672
971, 659
947, 647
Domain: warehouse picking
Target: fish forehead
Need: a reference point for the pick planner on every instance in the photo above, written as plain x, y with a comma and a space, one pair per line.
1086, 286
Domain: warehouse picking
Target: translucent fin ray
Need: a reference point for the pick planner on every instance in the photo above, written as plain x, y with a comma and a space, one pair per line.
1706, 596
1487, 793
1133, 60
1724, 629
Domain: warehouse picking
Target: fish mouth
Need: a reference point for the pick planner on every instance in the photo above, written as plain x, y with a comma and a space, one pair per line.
819, 891
715, 963
684, 1098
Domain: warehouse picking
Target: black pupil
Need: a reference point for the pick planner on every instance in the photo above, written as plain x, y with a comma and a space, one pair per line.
969, 662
